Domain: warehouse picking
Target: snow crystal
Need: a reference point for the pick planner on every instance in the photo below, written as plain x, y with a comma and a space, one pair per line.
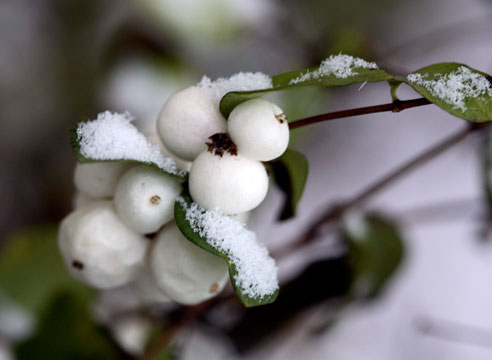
341, 66
243, 81
256, 270
455, 87
112, 136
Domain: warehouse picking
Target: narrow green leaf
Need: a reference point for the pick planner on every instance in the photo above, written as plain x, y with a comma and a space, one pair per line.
67, 331
375, 252
456, 88
31, 268
301, 78
360, 75
75, 143
185, 227
290, 172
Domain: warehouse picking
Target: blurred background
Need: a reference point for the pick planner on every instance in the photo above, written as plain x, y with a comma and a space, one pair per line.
65, 60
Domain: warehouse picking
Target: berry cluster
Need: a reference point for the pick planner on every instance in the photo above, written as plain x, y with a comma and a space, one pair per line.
122, 230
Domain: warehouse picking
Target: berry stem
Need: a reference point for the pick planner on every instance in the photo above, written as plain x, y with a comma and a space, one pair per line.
395, 106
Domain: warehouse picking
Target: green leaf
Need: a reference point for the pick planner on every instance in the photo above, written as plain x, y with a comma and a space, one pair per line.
185, 227
74, 142
375, 252
394, 85
31, 268
67, 331
447, 75
288, 81
290, 172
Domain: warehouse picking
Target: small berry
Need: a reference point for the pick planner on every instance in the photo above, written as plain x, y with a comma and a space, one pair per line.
187, 119
153, 138
98, 248
259, 129
144, 199
99, 180
80, 199
231, 183
146, 287
183, 271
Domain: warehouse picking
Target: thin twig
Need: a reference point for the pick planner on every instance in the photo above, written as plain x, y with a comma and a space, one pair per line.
336, 212
454, 331
395, 106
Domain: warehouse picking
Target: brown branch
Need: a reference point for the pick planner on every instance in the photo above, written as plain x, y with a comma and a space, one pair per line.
336, 212
395, 106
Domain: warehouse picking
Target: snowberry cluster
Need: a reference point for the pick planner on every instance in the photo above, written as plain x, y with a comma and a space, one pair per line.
122, 230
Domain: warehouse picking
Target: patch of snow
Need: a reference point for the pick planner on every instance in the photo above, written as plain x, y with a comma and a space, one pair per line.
256, 270
243, 81
112, 136
341, 66
454, 88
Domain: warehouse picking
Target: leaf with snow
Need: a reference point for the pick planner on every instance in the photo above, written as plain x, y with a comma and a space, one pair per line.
456, 88
252, 271
336, 70
242, 81
113, 137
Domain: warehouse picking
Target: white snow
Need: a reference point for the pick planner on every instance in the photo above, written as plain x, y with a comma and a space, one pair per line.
243, 81
112, 136
256, 270
341, 66
456, 87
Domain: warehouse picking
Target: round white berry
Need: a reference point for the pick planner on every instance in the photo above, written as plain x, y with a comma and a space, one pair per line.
231, 183
144, 198
183, 271
156, 140
259, 129
186, 121
98, 248
80, 199
99, 179
147, 289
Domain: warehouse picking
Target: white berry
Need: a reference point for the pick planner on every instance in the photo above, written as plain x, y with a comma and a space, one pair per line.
186, 121
147, 289
144, 198
99, 179
80, 199
259, 129
231, 183
98, 248
153, 138
183, 271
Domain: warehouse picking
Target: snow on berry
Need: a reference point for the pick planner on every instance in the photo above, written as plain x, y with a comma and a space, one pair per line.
243, 81
112, 136
256, 272
144, 199
183, 271
98, 248
259, 129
